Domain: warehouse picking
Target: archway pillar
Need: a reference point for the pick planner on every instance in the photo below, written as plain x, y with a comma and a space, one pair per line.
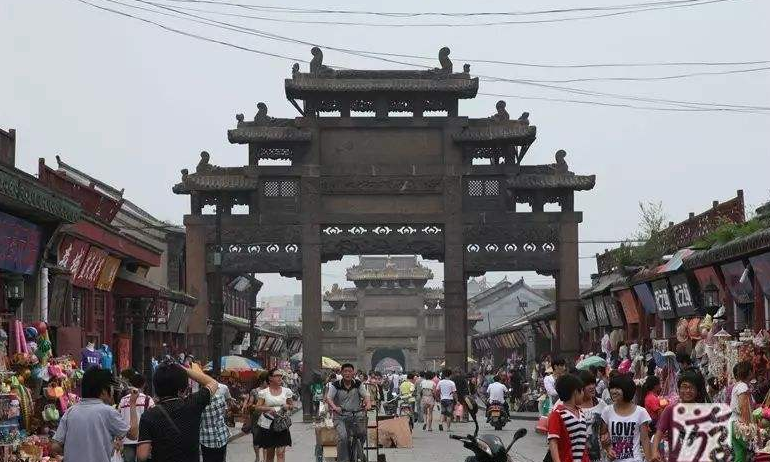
311, 313
568, 292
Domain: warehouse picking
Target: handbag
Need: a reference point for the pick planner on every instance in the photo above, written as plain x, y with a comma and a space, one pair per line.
281, 422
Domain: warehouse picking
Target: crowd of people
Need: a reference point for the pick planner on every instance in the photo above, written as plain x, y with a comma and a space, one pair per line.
605, 412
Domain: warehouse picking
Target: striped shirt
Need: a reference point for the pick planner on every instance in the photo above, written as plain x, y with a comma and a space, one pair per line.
571, 431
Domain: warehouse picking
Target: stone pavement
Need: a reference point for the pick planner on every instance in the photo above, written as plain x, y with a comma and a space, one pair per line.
428, 446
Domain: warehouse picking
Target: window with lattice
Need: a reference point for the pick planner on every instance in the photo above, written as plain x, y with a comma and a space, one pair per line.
289, 188
272, 188
491, 187
475, 188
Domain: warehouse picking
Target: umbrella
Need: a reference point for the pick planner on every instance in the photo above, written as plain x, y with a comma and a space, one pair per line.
592, 361
326, 362
470, 361
236, 364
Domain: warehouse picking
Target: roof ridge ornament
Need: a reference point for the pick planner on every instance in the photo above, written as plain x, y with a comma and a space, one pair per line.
261, 117
443, 59
501, 115
317, 66
561, 167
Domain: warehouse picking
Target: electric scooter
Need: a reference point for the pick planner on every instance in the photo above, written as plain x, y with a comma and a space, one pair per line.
486, 448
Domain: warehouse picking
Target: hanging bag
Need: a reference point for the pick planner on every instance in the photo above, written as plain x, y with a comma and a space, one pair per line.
281, 422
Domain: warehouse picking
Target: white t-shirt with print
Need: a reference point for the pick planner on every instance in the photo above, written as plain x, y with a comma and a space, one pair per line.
427, 385
446, 387
625, 433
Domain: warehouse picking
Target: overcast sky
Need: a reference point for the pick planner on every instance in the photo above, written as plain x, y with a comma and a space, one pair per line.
132, 104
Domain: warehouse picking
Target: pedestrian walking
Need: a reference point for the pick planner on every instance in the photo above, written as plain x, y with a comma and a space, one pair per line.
427, 402
214, 433
447, 393
463, 390
626, 424
250, 409
87, 431
273, 402
170, 430
691, 389
567, 429
143, 402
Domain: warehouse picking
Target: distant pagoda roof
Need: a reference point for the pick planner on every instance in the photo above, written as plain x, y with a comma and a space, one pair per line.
388, 269
340, 294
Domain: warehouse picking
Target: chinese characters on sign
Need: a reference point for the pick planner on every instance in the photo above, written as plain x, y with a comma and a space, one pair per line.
682, 296
91, 267
663, 299
19, 244
700, 433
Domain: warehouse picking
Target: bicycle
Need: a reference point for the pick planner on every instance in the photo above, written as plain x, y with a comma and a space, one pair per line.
355, 434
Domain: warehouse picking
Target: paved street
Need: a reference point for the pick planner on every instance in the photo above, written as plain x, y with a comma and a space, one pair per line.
434, 447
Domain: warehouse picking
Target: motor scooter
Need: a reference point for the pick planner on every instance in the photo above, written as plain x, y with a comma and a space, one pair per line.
497, 415
486, 448
406, 409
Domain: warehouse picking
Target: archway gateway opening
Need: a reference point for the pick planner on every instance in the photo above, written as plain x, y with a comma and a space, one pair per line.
385, 185
388, 360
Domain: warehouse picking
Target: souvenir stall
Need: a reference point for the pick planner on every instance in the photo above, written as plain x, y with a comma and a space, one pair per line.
35, 390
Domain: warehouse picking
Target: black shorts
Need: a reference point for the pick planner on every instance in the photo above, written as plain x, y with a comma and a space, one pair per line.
447, 406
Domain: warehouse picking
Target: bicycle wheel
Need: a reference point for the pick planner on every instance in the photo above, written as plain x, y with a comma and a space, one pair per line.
359, 455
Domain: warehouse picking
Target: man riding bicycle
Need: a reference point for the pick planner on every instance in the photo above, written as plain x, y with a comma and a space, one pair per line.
345, 397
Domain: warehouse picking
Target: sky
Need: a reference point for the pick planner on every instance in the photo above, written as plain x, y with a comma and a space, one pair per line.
133, 104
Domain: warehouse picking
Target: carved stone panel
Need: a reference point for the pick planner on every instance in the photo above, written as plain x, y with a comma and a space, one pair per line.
253, 233
258, 258
382, 185
339, 240
381, 146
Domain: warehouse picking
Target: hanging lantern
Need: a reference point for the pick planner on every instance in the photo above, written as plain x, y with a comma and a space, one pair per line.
711, 302
14, 291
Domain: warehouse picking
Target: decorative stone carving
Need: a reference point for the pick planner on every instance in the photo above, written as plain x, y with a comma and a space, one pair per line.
443, 59
524, 118
295, 69
261, 117
508, 233
467, 68
204, 166
561, 164
316, 64
381, 185
501, 115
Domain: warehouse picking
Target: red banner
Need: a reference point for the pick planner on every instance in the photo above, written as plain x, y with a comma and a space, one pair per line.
72, 253
630, 306
90, 269
19, 244
124, 352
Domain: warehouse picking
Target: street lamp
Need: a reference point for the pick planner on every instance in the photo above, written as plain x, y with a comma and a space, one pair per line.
14, 291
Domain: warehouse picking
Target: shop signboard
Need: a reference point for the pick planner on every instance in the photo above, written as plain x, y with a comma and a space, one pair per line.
742, 291
761, 265
72, 253
588, 305
91, 267
663, 299
108, 273
20, 243
612, 311
601, 313
646, 298
630, 305
680, 287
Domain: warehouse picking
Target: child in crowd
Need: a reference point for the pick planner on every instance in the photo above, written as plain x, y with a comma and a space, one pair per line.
567, 431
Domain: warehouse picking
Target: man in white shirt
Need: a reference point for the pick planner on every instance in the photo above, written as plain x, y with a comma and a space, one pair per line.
447, 392
549, 382
496, 392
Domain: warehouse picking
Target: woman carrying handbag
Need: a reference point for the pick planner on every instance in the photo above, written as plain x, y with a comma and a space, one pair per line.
271, 431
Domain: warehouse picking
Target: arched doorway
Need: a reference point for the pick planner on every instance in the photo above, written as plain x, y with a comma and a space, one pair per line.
388, 359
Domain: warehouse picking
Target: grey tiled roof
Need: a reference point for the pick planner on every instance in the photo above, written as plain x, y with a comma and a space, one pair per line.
565, 181
458, 84
509, 131
733, 250
215, 181
261, 134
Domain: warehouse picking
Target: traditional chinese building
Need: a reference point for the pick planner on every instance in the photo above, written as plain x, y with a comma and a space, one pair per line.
388, 314
30, 214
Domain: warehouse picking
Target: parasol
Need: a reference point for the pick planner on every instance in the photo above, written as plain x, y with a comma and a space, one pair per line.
237, 364
326, 362
591, 361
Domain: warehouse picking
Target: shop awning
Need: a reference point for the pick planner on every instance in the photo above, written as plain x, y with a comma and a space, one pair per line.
761, 265
742, 292
708, 275
663, 299
676, 262
680, 286
130, 284
613, 311
630, 305
646, 298
602, 318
